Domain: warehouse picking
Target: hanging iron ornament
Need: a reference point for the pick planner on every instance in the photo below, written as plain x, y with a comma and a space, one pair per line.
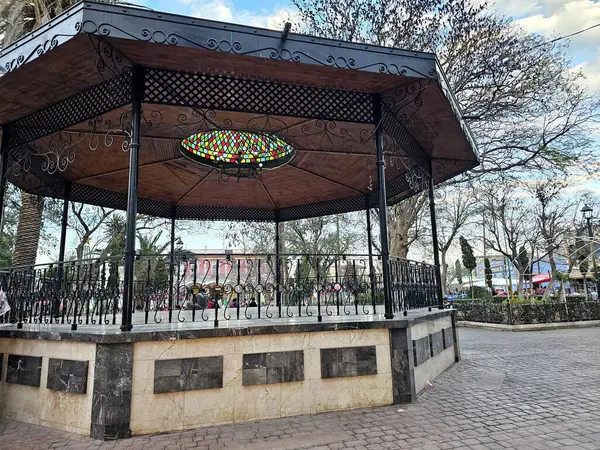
417, 178
239, 154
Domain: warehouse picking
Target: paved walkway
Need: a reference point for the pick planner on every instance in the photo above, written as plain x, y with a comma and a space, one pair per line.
535, 390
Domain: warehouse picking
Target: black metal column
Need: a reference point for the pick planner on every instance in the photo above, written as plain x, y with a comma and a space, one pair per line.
593, 255
436, 254
137, 90
172, 261
370, 247
277, 265
61, 249
385, 252
3, 170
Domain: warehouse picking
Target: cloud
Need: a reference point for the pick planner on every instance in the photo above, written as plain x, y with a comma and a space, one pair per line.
225, 11
553, 18
518, 8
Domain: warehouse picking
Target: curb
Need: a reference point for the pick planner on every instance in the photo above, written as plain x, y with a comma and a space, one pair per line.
529, 327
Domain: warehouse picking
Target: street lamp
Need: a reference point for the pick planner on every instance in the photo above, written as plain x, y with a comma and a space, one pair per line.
178, 245
587, 213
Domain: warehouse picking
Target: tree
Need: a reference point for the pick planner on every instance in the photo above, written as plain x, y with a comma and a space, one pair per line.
455, 206
507, 232
458, 271
17, 18
523, 258
468, 259
488, 274
86, 221
552, 214
405, 224
528, 112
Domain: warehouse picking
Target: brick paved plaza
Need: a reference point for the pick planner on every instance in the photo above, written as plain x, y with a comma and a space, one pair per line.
534, 390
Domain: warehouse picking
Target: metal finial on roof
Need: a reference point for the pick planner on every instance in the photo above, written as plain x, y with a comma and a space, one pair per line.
286, 31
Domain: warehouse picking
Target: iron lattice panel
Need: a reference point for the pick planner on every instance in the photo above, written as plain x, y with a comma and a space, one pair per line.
343, 205
220, 213
109, 199
396, 187
235, 94
403, 140
82, 106
99, 197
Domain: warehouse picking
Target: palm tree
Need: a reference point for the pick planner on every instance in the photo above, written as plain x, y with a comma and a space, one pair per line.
17, 18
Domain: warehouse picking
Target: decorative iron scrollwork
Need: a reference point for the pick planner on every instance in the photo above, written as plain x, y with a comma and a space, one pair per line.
417, 178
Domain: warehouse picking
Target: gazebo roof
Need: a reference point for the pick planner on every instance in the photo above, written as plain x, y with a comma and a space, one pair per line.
66, 102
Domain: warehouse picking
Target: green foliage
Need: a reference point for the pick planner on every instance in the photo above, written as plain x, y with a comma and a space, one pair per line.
468, 259
523, 259
488, 274
458, 270
481, 292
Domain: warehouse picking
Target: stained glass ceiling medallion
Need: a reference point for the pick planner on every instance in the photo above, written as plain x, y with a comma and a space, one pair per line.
237, 153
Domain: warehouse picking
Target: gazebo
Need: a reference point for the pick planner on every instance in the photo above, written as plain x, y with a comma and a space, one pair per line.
128, 108
182, 118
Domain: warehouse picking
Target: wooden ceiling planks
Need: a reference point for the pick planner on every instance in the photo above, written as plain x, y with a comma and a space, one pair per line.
42, 81
186, 59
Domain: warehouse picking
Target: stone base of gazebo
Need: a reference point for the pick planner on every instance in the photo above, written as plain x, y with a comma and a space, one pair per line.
111, 384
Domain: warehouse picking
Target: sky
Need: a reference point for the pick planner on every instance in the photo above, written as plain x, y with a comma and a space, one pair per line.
547, 17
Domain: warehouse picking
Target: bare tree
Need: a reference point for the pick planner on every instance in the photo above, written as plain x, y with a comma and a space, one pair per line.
453, 212
552, 215
510, 229
526, 108
86, 221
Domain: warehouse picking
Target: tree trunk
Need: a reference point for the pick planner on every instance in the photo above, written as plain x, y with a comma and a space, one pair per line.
552, 261
28, 230
521, 280
444, 273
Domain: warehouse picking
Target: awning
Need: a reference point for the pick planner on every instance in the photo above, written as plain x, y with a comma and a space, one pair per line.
541, 278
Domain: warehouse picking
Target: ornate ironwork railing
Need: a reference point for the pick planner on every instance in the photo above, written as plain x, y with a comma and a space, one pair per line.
413, 284
213, 288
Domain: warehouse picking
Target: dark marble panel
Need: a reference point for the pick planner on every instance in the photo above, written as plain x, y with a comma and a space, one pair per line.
403, 369
165, 331
348, 362
67, 375
436, 343
448, 337
26, 370
188, 374
455, 334
273, 367
422, 350
111, 403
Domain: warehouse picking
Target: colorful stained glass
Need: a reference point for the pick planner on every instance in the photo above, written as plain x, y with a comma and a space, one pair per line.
227, 148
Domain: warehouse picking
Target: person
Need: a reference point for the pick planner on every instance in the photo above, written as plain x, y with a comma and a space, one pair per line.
252, 302
211, 304
233, 304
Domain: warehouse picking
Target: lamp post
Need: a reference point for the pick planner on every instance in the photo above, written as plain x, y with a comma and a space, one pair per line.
179, 245
587, 213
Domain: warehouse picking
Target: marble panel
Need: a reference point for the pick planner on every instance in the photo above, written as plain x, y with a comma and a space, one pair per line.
448, 337
188, 374
67, 375
25, 370
403, 373
348, 362
422, 351
272, 367
436, 343
111, 404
